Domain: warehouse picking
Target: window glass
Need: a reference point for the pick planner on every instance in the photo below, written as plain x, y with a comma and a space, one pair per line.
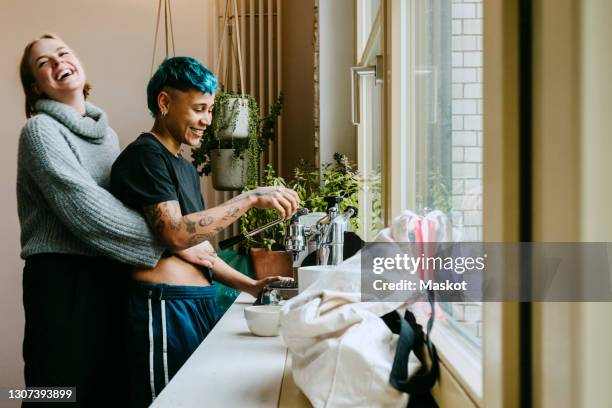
370, 158
443, 48
369, 143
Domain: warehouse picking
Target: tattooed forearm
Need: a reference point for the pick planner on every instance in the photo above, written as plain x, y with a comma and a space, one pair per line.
175, 225
205, 221
231, 214
236, 199
198, 238
189, 225
180, 231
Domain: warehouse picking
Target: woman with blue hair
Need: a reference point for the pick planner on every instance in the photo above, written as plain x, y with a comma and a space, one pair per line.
171, 307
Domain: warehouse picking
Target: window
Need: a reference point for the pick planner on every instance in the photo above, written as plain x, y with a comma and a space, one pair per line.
437, 142
440, 48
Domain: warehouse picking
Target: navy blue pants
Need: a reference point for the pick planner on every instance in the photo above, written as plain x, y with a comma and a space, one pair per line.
166, 323
74, 320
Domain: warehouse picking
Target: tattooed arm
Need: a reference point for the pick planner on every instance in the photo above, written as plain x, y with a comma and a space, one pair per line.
179, 231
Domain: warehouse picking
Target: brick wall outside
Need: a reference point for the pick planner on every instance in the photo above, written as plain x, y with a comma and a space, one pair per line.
467, 141
467, 108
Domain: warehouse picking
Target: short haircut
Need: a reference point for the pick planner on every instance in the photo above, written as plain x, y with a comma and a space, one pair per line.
183, 74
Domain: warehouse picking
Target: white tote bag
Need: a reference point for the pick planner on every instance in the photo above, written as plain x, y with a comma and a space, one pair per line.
341, 350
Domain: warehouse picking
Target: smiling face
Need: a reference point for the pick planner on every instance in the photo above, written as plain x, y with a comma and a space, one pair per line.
57, 71
189, 113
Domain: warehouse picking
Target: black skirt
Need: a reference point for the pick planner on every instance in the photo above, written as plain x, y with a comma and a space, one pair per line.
75, 327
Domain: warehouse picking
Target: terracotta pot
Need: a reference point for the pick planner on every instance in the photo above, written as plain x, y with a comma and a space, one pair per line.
271, 263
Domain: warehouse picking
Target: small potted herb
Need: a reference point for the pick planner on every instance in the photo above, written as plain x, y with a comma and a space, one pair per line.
266, 248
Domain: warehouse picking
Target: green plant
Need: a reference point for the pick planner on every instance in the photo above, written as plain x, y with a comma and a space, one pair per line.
376, 211
268, 123
271, 238
336, 179
261, 132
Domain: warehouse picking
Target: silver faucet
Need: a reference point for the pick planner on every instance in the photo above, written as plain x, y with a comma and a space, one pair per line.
327, 233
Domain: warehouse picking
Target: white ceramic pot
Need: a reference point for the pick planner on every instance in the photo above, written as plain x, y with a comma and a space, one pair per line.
263, 320
239, 107
228, 173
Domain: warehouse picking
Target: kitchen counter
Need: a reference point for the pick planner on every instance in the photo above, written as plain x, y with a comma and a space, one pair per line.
233, 368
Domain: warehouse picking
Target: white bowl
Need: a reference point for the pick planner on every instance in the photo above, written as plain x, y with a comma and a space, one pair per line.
263, 320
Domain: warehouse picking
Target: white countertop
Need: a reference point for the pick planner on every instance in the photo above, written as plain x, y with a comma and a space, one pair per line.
233, 368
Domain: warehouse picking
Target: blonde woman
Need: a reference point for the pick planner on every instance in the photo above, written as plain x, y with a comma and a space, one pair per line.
74, 234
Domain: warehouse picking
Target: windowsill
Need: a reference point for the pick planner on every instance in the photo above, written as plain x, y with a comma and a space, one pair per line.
461, 357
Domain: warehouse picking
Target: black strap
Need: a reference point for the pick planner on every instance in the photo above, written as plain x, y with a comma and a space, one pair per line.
413, 339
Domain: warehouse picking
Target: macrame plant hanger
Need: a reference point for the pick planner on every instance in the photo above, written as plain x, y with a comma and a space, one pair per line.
235, 46
168, 31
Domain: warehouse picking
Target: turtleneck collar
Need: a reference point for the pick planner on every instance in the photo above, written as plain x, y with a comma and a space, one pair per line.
93, 126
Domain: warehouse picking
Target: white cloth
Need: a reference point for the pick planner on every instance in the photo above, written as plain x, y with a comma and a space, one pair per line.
341, 351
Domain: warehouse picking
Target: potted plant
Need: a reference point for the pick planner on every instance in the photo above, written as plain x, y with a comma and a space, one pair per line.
231, 158
232, 117
267, 249
225, 152
339, 178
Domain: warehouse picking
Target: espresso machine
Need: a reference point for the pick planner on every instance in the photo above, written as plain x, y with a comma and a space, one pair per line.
326, 236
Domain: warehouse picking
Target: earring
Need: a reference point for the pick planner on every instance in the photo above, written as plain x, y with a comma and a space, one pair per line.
164, 113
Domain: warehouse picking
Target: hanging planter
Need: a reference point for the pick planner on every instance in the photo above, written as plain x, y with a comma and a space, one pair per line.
236, 126
229, 172
234, 118
233, 162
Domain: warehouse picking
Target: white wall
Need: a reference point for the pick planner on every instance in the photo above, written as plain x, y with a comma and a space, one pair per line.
114, 39
337, 56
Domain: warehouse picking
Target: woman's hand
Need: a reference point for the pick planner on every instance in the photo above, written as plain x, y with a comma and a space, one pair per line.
282, 199
258, 285
202, 254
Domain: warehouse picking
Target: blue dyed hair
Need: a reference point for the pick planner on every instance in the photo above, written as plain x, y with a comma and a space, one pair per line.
182, 73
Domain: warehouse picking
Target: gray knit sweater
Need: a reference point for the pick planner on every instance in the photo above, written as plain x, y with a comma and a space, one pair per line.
63, 174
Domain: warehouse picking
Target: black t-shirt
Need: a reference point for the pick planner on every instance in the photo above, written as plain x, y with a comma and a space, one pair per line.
146, 173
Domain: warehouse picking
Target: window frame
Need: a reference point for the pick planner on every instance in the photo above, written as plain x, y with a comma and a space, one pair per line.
369, 34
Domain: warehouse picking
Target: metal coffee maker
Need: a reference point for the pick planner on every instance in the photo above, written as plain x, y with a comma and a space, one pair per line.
326, 237
327, 234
